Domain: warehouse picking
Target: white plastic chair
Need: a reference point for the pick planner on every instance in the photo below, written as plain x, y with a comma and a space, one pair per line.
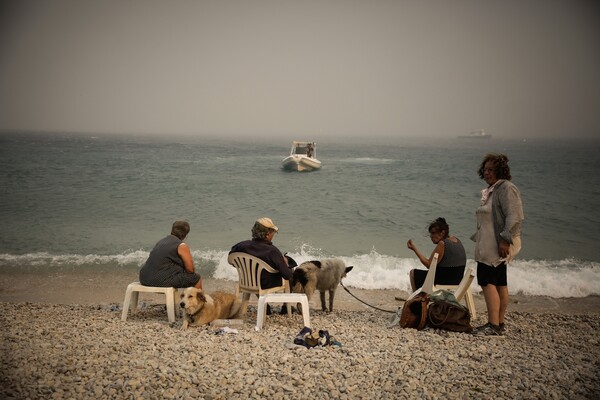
249, 269
132, 295
461, 290
287, 298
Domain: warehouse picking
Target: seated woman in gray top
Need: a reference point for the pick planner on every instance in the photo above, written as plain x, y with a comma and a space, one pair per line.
452, 257
170, 263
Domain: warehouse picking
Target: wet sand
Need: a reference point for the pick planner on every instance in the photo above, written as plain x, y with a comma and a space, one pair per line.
98, 287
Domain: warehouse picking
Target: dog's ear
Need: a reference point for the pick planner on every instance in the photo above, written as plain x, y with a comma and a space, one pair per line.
291, 262
348, 269
317, 263
200, 297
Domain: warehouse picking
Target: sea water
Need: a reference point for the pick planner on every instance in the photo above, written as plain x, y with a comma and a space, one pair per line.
74, 201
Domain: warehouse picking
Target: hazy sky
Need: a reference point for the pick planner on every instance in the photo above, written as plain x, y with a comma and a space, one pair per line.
519, 68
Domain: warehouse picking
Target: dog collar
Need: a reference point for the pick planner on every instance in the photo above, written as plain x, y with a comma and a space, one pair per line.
191, 315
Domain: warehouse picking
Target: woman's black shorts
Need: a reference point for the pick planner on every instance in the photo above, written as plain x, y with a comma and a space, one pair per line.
490, 275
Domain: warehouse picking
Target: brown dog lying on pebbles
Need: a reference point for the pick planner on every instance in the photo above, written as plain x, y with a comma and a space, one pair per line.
201, 308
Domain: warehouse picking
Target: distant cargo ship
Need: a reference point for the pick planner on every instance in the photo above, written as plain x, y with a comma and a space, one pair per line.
480, 134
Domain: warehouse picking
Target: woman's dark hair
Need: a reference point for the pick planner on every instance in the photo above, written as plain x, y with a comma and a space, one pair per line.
180, 229
439, 225
501, 167
260, 231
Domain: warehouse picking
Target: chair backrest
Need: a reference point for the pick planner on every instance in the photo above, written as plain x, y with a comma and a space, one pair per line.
249, 269
428, 285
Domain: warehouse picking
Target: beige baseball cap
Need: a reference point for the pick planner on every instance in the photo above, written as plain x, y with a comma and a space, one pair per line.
267, 223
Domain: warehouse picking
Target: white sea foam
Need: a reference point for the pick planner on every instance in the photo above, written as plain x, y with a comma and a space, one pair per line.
369, 160
563, 278
73, 260
554, 278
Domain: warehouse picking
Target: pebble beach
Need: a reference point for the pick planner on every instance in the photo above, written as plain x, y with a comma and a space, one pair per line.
57, 350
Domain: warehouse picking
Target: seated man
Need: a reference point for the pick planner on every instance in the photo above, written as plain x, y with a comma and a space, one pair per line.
261, 246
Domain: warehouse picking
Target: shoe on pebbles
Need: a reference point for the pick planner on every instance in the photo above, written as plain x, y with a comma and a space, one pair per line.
488, 330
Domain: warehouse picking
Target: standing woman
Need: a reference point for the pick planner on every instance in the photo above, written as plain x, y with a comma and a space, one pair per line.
498, 238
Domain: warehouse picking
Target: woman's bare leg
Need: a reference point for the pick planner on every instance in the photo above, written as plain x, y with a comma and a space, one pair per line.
492, 302
503, 295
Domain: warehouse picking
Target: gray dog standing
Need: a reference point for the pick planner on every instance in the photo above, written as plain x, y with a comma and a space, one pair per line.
324, 276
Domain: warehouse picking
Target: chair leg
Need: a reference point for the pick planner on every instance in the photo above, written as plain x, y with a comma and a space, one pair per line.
133, 305
170, 300
471, 303
262, 311
305, 312
126, 303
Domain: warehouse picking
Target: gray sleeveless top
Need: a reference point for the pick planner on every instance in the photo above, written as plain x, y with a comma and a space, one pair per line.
163, 262
454, 254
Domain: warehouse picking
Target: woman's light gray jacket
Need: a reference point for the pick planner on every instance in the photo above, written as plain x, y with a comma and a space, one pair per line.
507, 211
